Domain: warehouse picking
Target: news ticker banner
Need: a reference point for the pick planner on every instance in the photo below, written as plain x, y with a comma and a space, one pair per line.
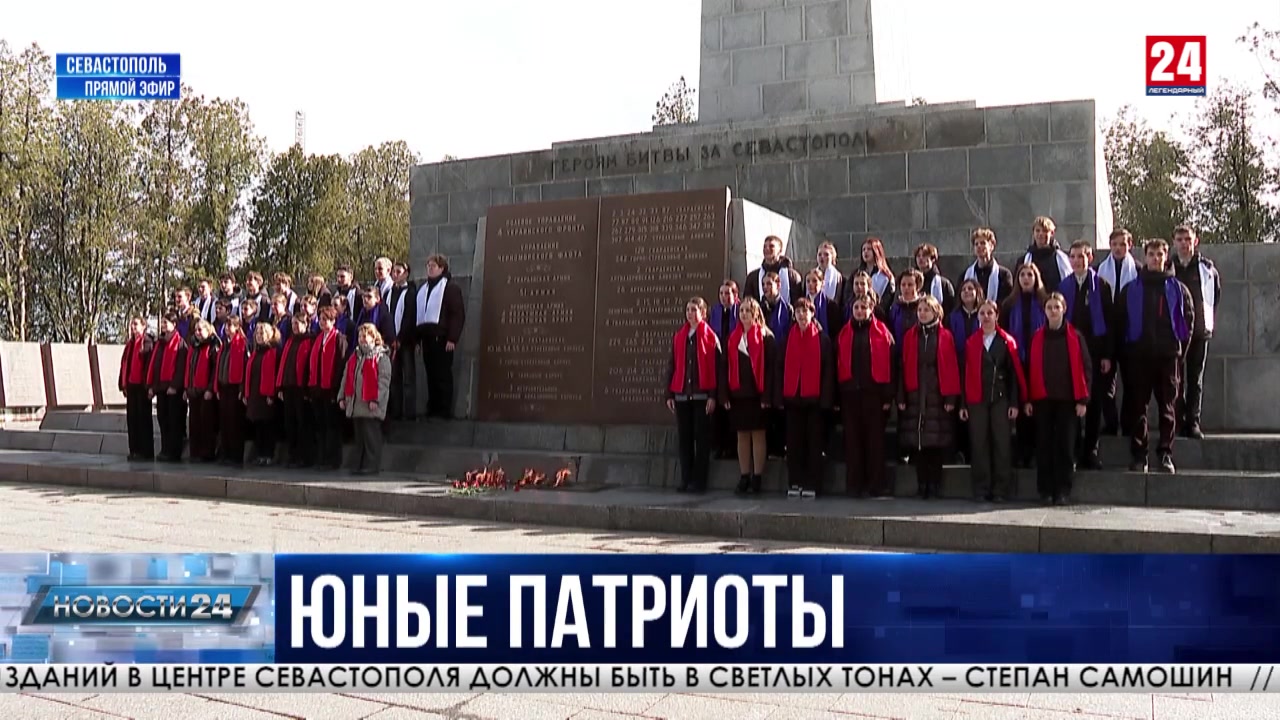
118, 76
1216, 617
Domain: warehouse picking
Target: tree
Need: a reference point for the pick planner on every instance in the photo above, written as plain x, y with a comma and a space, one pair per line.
227, 157
378, 188
301, 217
677, 105
157, 251
1231, 174
1148, 175
1265, 46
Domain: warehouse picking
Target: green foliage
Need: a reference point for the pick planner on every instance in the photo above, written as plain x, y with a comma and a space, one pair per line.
1147, 171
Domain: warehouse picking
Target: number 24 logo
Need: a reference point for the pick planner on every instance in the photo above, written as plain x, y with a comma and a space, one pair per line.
1189, 65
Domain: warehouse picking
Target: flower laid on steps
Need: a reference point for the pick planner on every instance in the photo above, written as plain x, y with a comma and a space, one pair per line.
486, 480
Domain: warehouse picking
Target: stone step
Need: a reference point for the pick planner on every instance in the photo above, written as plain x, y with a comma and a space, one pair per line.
1189, 488
901, 524
1227, 452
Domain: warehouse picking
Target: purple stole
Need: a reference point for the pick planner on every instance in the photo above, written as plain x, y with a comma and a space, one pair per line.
897, 323
779, 321
820, 312
1173, 302
183, 326
1094, 300
960, 329
717, 321
1017, 328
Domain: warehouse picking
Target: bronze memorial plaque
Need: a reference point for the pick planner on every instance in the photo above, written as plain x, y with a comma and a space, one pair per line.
582, 298
656, 252
537, 318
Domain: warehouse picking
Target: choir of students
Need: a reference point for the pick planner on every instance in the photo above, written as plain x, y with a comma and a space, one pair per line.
1017, 369
288, 371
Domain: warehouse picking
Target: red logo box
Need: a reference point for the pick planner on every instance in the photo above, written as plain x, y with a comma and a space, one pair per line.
1176, 65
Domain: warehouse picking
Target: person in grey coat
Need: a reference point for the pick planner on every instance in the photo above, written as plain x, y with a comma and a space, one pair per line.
366, 387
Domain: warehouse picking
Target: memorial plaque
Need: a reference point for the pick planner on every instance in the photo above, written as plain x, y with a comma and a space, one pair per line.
581, 300
656, 252
104, 362
537, 315
68, 376
21, 375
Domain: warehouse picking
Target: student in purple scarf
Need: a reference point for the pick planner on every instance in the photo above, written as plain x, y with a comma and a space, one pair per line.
824, 309
778, 318
1021, 316
373, 312
902, 312
1089, 307
723, 320
1154, 319
963, 322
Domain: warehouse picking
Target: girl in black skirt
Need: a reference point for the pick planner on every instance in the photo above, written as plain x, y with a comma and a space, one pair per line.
750, 389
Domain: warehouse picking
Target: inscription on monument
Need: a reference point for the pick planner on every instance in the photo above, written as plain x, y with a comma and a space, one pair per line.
582, 297
21, 375
537, 321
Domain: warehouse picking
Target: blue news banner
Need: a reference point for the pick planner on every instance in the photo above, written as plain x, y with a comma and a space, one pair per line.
118, 76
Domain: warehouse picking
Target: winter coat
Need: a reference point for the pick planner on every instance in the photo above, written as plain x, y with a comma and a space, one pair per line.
926, 423
356, 408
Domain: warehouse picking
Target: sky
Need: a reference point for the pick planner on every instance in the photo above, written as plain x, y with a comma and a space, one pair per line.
485, 77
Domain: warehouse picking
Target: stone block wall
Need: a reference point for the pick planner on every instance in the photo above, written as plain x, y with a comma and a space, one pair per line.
770, 58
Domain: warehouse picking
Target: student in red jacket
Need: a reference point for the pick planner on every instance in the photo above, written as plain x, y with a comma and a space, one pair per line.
692, 374
324, 375
928, 394
1059, 392
808, 394
994, 388
232, 361
864, 362
133, 384
260, 392
749, 389
201, 382
164, 381
291, 391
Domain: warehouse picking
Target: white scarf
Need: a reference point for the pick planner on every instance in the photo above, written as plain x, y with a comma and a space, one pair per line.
1208, 297
879, 281
398, 311
429, 301
831, 278
1064, 263
784, 282
293, 300
993, 282
1128, 272
384, 288
935, 287
206, 306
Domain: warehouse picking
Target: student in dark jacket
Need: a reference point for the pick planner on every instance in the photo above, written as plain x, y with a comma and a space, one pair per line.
825, 312
403, 404
778, 317
963, 323
1118, 268
291, 391
227, 291
348, 290
1058, 387
373, 312
808, 394
859, 285
1154, 320
259, 393
996, 281
201, 383
441, 315
165, 378
311, 309
750, 390
249, 319
232, 361
318, 288
1021, 315
1090, 310
928, 394
253, 290
876, 265
281, 317
692, 385
221, 311
790, 283
133, 385
723, 319
1053, 265
1198, 273
934, 283
864, 371
324, 373
902, 315
994, 388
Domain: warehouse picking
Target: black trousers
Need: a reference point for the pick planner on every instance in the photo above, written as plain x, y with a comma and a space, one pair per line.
171, 412
368, 444
1192, 381
1088, 439
1109, 385
299, 429
806, 441
928, 462
403, 403
1024, 441
142, 440
329, 419
724, 441
1146, 377
231, 423
693, 427
991, 439
438, 363
204, 427
775, 433
265, 434
1056, 430
863, 419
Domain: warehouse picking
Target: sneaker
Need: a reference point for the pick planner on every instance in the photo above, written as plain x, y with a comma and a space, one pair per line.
1193, 431
1166, 464
1138, 465
794, 491
808, 494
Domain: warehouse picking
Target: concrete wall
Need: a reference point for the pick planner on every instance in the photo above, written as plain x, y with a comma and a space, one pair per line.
771, 58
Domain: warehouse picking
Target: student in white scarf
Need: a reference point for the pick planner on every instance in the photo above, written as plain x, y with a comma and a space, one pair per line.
875, 264
1118, 269
934, 284
833, 286
791, 285
1200, 276
996, 281
1044, 253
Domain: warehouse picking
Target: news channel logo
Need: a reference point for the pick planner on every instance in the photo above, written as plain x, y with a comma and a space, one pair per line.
118, 76
1175, 65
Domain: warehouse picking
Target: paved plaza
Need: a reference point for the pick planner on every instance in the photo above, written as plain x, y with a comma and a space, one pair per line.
61, 519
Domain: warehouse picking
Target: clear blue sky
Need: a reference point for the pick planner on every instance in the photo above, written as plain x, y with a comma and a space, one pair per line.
482, 77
